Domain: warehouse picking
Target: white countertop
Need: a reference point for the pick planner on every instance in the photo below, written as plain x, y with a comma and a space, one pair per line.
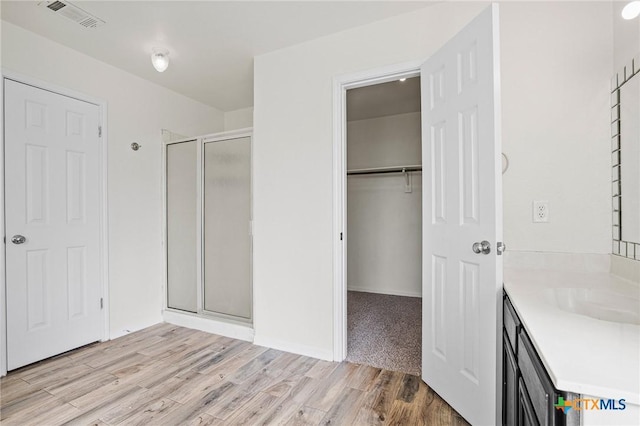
582, 355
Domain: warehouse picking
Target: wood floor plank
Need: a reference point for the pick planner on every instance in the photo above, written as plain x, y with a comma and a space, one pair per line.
152, 398
230, 366
364, 378
169, 375
13, 388
221, 356
97, 403
40, 367
109, 392
240, 395
76, 388
186, 413
306, 416
206, 420
148, 415
321, 369
280, 413
302, 365
199, 384
346, 408
329, 390
409, 388
283, 385
253, 366
47, 412
284, 361
64, 373
23, 403
256, 411
380, 399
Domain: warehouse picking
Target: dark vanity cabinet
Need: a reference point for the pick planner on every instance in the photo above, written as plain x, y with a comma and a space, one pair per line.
528, 395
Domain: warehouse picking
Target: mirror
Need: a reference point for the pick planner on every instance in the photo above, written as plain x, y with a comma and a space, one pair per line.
625, 117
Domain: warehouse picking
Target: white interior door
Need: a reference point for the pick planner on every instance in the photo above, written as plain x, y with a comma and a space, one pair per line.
52, 199
462, 206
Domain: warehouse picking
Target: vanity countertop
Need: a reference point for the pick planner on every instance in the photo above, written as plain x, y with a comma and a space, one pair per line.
582, 354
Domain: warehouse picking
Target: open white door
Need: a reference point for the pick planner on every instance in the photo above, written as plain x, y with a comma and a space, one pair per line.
462, 205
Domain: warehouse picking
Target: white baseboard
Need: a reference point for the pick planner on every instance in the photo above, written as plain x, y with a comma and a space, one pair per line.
296, 348
389, 292
210, 325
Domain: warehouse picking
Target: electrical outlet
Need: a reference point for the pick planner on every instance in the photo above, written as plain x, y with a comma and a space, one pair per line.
541, 211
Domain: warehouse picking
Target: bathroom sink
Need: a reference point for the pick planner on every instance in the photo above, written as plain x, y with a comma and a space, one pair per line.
599, 303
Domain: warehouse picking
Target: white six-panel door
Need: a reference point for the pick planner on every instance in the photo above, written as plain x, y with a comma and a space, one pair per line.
52, 199
462, 206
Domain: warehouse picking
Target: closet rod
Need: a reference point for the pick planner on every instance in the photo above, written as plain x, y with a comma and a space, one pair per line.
377, 170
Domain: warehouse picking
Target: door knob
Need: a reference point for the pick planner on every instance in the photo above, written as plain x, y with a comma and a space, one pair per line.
483, 247
18, 239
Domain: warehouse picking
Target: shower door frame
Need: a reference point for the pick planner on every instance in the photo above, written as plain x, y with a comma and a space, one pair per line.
202, 319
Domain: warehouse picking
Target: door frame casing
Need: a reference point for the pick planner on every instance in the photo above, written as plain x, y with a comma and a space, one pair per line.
340, 86
103, 208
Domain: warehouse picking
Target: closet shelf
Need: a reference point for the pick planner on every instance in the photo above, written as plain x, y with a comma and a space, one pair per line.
379, 170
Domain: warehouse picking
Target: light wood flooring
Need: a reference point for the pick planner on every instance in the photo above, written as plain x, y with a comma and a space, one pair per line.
168, 375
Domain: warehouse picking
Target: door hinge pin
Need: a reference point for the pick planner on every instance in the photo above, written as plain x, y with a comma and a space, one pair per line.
341, 236
101, 303
99, 131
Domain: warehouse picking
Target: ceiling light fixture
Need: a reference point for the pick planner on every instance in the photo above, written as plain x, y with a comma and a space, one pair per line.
160, 59
403, 79
631, 10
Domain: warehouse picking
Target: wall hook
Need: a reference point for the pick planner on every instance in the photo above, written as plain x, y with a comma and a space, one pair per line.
135, 146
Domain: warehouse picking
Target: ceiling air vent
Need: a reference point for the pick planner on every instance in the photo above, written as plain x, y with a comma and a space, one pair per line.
73, 13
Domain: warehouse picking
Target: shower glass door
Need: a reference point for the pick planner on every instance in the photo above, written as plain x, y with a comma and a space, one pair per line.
227, 227
182, 231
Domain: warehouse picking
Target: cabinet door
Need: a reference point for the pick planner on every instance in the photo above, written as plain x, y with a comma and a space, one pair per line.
509, 384
526, 414
538, 383
227, 216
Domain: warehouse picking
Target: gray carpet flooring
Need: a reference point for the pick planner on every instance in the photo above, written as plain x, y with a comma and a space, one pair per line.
385, 331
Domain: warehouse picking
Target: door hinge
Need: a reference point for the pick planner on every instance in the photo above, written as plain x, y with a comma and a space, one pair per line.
341, 236
99, 131
101, 303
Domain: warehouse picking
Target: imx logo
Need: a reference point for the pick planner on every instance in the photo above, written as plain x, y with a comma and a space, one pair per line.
589, 404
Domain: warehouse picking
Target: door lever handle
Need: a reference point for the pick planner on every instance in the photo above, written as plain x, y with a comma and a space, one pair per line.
483, 247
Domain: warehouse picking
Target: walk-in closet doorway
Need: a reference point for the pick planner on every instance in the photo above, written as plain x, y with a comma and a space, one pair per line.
384, 223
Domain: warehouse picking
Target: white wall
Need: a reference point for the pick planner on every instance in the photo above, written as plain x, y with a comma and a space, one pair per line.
626, 37
238, 119
384, 222
293, 265
555, 78
137, 111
